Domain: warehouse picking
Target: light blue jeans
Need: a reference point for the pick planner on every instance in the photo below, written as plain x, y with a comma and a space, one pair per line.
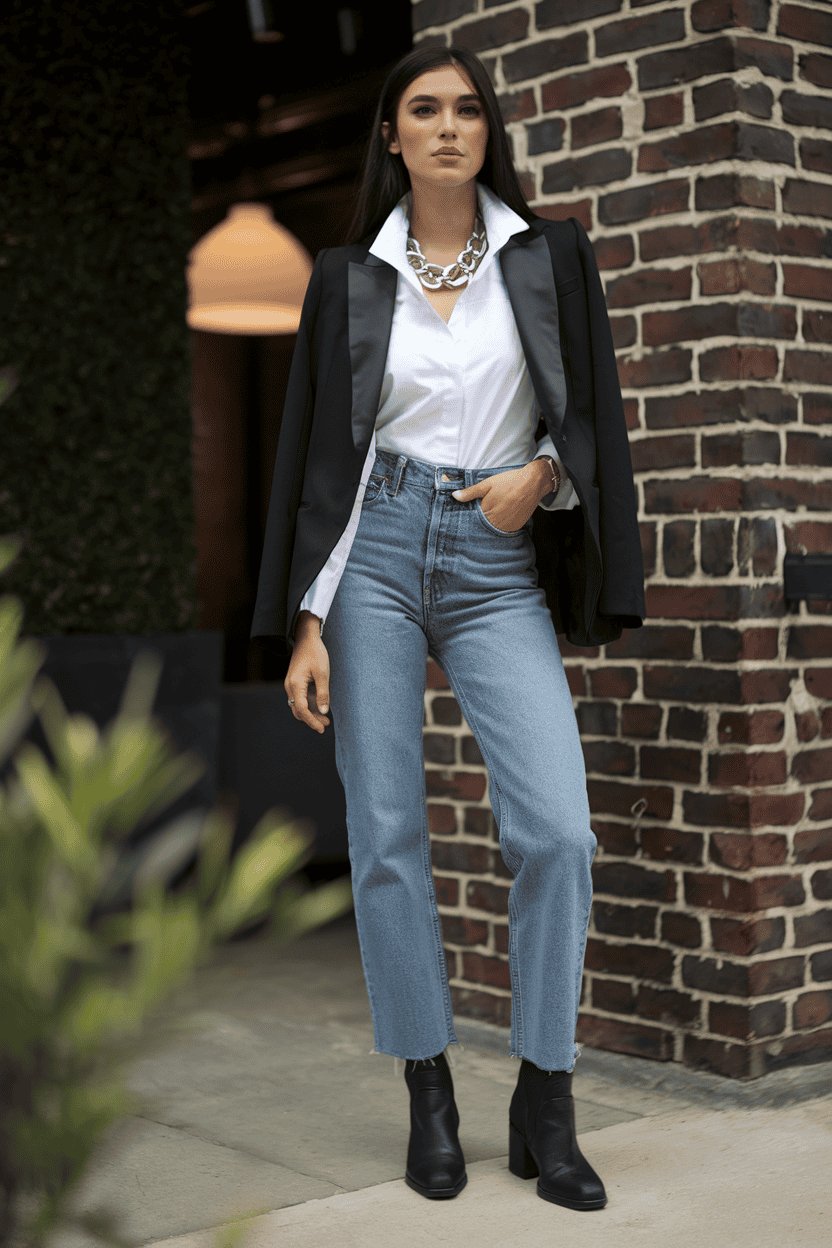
429, 575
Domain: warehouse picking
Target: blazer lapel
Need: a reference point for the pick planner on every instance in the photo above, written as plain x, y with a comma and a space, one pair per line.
371, 300
527, 271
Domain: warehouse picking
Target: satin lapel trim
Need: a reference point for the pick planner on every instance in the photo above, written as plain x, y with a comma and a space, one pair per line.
372, 300
527, 270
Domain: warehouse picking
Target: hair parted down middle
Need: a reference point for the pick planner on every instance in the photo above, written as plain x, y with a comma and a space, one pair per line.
384, 177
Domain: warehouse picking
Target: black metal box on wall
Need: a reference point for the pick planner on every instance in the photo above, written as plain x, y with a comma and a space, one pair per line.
808, 577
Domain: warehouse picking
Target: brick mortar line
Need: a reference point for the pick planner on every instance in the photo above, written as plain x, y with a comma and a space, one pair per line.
675, 263
693, 216
634, 143
780, 172
714, 869
705, 948
787, 788
722, 749
692, 38
656, 7
654, 867
737, 472
591, 662
630, 58
699, 995
660, 5
795, 912
662, 909
641, 180
676, 985
757, 425
740, 960
770, 955
740, 297
644, 179
664, 390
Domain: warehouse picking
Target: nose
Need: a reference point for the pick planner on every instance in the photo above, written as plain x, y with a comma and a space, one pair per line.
448, 129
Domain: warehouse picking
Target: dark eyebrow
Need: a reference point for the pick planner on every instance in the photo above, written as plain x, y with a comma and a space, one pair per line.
431, 99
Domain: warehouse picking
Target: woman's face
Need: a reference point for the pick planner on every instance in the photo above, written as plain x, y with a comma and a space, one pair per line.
440, 109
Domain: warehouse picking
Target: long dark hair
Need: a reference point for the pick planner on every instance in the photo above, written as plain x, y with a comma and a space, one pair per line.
384, 177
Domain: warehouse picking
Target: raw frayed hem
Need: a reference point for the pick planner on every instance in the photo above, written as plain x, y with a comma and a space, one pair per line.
519, 1058
399, 1062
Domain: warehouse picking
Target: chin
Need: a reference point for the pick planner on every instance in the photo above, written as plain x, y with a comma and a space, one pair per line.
444, 175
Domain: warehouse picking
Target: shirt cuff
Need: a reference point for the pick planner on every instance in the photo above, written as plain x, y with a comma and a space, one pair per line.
565, 498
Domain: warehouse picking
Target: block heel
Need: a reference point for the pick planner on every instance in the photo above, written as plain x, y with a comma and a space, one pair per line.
520, 1160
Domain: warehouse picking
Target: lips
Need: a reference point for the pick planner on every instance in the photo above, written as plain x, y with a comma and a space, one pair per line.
447, 151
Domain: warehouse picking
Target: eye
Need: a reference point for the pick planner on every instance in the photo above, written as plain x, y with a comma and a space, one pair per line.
468, 108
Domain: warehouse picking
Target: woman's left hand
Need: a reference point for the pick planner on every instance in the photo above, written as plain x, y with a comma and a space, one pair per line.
509, 498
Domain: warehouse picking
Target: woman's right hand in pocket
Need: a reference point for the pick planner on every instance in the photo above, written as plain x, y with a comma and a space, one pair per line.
309, 666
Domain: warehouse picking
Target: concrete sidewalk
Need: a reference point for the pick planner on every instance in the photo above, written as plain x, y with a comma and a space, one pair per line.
275, 1104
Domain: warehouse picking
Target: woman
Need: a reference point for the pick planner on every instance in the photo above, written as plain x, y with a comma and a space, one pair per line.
414, 513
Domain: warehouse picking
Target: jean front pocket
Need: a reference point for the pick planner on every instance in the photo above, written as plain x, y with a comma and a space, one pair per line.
492, 528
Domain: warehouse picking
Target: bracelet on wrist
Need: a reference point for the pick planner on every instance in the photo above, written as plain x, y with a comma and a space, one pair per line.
555, 474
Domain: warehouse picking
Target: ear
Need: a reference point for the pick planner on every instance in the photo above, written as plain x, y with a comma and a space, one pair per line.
394, 147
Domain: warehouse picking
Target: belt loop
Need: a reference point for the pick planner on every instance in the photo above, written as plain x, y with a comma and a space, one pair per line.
397, 475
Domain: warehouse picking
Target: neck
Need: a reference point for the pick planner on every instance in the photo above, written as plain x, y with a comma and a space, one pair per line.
443, 217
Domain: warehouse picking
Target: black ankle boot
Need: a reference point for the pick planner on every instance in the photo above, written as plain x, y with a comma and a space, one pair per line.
541, 1140
435, 1164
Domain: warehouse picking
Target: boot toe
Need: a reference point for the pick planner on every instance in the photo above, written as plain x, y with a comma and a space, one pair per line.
442, 1179
574, 1192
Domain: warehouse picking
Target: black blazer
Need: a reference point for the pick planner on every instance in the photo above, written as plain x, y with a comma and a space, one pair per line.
589, 558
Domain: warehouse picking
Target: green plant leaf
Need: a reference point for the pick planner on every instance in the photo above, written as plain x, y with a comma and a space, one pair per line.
18, 667
273, 850
70, 1011
310, 910
49, 801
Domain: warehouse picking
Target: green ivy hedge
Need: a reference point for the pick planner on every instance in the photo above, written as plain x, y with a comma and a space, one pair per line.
95, 440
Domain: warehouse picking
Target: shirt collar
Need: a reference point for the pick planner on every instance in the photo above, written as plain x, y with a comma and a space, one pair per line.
501, 222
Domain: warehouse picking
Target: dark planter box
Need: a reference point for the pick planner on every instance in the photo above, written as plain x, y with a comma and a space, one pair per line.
268, 758
256, 752
90, 672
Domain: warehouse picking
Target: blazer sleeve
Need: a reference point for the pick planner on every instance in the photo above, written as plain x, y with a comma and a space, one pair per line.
622, 587
318, 597
269, 619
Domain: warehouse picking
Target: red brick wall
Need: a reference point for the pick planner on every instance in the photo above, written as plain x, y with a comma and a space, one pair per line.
694, 143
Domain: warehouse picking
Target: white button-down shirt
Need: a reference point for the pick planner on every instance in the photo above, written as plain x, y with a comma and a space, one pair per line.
455, 394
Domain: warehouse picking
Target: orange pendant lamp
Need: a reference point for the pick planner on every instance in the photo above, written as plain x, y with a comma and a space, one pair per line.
248, 275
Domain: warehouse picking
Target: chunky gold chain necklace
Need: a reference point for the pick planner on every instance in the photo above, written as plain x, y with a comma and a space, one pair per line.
432, 276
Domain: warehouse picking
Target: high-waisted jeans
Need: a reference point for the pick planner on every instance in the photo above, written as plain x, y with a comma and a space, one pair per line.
429, 575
